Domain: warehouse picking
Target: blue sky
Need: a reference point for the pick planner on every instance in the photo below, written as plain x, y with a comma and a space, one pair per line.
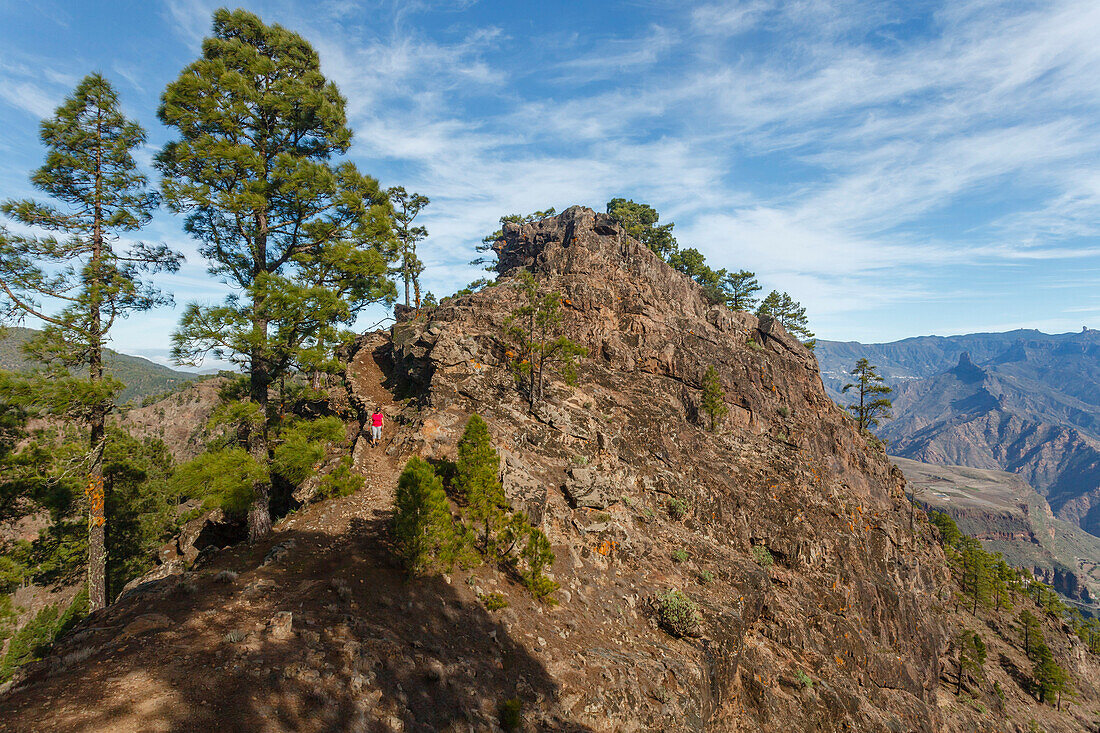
901, 168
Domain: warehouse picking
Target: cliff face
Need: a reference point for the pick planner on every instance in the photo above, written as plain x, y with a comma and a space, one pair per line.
820, 607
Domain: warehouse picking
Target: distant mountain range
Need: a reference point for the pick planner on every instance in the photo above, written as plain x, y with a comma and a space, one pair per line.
1022, 401
142, 377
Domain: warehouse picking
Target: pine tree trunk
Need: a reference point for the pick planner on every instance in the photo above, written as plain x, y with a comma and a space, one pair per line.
97, 499
259, 514
405, 271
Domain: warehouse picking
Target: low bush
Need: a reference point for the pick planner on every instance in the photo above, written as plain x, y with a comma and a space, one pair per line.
677, 614
762, 556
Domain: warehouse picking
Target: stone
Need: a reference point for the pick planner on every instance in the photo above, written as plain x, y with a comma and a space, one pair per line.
146, 623
281, 625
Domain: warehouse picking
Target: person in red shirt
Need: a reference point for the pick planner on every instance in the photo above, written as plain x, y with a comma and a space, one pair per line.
376, 427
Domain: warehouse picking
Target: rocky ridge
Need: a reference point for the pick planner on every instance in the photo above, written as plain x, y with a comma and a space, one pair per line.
820, 607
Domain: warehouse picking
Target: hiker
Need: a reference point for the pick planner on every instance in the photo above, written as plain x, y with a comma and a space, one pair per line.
376, 426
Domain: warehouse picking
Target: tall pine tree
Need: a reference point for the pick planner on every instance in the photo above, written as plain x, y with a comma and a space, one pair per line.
304, 243
790, 314
406, 207
873, 403
80, 268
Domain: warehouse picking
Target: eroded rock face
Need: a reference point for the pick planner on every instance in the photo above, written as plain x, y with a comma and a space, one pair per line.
849, 599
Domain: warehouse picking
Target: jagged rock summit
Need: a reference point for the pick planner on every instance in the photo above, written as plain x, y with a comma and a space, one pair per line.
821, 605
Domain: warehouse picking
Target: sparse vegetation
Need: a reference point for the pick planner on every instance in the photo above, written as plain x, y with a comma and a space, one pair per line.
762, 556
493, 601
679, 556
714, 397
511, 714
677, 614
677, 508
804, 679
706, 577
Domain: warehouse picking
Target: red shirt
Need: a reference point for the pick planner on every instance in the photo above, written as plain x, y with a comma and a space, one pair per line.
376, 419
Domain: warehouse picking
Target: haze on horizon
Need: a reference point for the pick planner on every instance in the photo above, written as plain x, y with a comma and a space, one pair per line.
918, 168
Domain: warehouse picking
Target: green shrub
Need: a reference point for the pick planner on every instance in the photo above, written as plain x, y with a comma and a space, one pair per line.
679, 556
677, 614
762, 556
340, 481
33, 640
754, 345
784, 411
224, 479
804, 680
511, 714
494, 601
706, 577
677, 508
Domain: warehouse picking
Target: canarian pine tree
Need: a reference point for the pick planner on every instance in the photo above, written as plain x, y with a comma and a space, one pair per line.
714, 397
740, 289
76, 279
304, 243
406, 207
873, 404
477, 481
790, 314
535, 330
422, 522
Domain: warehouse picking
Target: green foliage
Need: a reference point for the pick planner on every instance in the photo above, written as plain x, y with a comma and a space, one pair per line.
224, 479
406, 208
77, 271
1031, 633
534, 332
692, 263
8, 617
971, 652
787, 311
804, 680
493, 601
144, 381
340, 481
740, 289
303, 446
706, 577
677, 614
754, 344
949, 531
33, 640
714, 397
677, 508
873, 403
422, 523
762, 556
304, 244
640, 222
538, 557
477, 481
1051, 680
511, 714
679, 556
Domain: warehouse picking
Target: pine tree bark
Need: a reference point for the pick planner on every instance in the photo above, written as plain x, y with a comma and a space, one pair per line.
259, 514
97, 499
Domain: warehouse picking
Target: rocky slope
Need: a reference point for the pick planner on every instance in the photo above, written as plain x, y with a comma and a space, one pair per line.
1010, 517
316, 628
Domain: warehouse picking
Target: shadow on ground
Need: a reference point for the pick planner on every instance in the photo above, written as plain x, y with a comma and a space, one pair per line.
368, 651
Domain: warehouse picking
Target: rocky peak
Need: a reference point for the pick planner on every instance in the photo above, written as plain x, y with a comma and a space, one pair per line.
967, 371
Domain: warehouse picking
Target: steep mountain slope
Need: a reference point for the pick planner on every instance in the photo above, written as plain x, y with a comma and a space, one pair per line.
1010, 517
142, 377
316, 628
